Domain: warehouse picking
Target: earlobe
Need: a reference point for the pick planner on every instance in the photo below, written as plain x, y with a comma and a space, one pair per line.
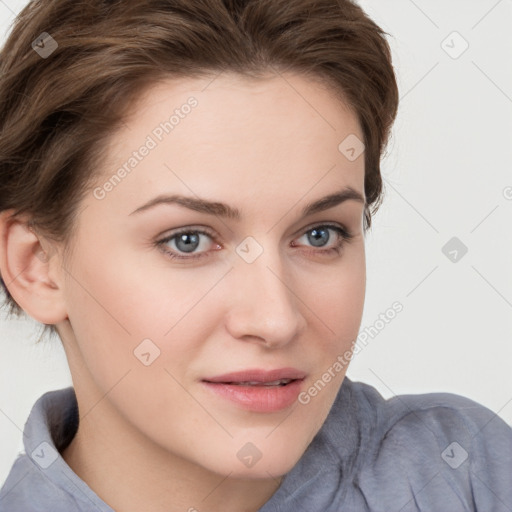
26, 270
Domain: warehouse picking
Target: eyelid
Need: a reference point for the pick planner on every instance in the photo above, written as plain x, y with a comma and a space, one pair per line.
327, 224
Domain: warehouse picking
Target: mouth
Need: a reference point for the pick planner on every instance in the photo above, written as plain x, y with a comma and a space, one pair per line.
281, 382
258, 390
259, 377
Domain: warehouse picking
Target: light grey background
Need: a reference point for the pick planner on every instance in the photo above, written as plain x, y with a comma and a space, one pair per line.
446, 175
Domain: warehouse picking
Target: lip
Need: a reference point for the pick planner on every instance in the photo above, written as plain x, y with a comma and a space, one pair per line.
258, 398
258, 375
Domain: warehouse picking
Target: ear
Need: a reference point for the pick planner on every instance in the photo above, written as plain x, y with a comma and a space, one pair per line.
30, 272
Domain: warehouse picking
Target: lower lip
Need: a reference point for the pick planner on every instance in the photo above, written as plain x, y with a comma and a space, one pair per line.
258, 398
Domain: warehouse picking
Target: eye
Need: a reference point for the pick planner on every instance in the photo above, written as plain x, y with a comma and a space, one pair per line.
190, 244
320, 236
186, 241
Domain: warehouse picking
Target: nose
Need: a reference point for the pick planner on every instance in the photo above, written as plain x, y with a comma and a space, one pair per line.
264, 306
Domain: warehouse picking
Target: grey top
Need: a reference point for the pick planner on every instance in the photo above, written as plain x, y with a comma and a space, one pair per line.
434, 452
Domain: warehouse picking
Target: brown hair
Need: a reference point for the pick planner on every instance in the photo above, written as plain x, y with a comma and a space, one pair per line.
56, 113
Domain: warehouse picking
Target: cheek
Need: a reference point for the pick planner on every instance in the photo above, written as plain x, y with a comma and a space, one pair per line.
121, 308
337, 304
105, 308
338, 298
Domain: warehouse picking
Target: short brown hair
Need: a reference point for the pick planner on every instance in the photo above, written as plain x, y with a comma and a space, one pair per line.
56, 113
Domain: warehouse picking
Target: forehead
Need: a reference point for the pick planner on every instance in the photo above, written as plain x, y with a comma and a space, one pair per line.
216, 135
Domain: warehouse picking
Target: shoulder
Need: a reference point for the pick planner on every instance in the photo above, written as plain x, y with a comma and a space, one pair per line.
40, 479
437, 447
27, 489
436, 414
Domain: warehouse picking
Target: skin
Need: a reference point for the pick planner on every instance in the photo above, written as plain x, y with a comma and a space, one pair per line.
152, 437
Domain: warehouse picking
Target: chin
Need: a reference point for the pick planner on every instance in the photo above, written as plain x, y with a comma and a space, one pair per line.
262, 471
258, 460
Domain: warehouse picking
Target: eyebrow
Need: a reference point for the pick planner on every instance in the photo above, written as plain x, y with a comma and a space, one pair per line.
224, 210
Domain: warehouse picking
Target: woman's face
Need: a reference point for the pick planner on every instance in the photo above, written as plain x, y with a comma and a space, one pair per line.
258, 283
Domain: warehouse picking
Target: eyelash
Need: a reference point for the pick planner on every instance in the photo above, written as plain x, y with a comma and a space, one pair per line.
344, 237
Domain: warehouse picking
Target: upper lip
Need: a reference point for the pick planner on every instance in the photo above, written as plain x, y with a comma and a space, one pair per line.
258, 375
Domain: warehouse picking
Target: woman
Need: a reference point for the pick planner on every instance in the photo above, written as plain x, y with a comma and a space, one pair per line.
185, 189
